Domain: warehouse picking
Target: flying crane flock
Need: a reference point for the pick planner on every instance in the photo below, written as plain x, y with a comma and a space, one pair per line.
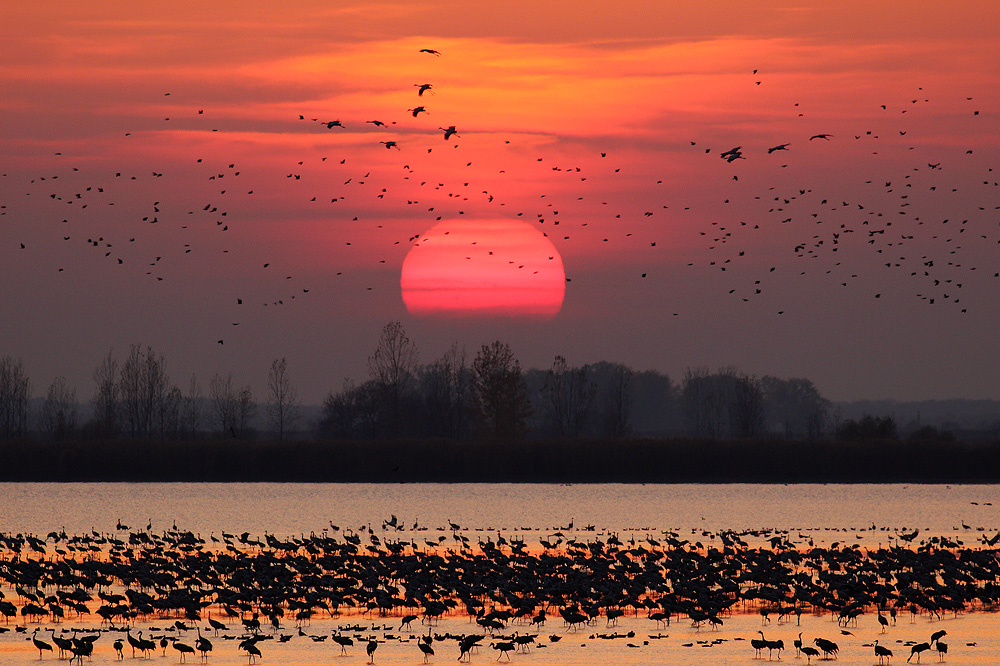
873, 244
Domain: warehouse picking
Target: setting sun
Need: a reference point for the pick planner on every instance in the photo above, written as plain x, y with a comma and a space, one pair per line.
483, 267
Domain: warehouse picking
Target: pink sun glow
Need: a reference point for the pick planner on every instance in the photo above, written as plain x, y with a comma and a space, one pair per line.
483, 267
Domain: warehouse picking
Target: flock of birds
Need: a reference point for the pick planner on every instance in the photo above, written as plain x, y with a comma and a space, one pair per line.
175, 590
827, 233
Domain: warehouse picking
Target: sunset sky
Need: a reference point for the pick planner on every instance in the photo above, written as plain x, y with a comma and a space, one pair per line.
168, 177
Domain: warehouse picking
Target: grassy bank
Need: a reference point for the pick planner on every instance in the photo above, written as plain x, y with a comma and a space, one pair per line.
629, 461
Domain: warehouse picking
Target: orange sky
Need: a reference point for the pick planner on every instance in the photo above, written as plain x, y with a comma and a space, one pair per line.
589, 121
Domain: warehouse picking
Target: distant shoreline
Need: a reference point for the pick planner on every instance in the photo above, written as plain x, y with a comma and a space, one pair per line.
633, 461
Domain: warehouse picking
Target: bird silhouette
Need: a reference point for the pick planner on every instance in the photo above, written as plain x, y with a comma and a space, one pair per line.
883, 653
918, 649
39, 644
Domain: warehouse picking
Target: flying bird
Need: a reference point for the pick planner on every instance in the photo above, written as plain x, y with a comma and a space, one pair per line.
732, 154
783, 146
431, 51
423, 87
820, 136
449, 131
417, 111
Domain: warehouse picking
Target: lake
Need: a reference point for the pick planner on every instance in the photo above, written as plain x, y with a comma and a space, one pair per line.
288, 509
869, 515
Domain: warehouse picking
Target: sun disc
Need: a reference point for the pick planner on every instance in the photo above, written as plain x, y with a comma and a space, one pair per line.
476, 267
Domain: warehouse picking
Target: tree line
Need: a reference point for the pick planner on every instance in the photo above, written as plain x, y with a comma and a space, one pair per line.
491, 397
135, 399
486, 397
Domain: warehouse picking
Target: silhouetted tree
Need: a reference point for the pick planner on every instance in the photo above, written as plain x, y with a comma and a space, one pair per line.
57, 417
706, 398
616, 407
15, 396
337, 420
246, 410
867, 428
567, 399
655, 404
746, 408
445, 387
392, 368
499, 397
224, 401
795, 407
170, 413
695, 400
283, 405
353, 413
614, 398
929, 433
143, 386
191, 408
107, 400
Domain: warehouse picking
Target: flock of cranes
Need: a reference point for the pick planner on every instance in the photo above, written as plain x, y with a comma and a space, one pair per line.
257, 589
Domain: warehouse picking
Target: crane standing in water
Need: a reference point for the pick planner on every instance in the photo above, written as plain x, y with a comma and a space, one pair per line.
883, 653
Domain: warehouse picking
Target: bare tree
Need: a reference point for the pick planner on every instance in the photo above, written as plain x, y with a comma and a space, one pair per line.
351, 414
246, 410
191, 408
15, 396
795, 406
106, 400
656, 403
695, 400
224, 403
392, 368
746, 408
340, 414
131, 388
143, 385
169, 413
705, 399
58, 413
283, 407
445, 387
499, 397
617, 401
567, 399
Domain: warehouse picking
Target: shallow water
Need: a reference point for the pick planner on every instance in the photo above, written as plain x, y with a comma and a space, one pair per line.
821, 513
827, 512
728, 645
